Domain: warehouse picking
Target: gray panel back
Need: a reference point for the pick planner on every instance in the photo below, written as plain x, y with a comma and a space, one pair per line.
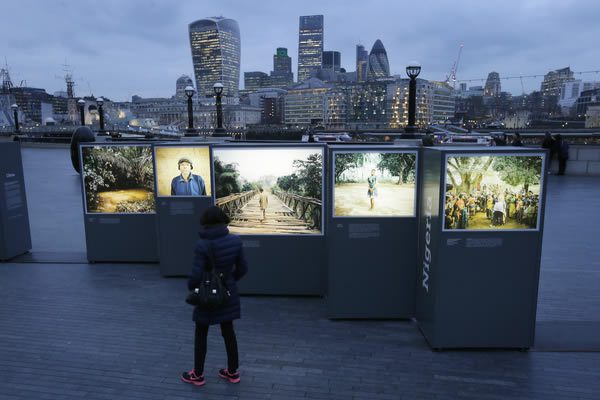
372, 268
121, 238
284, 265
178, 226
15, 237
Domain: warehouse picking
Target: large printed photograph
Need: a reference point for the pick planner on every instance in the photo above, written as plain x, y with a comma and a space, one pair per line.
118, 179
183, 170
370, 184
270, 191
492, 192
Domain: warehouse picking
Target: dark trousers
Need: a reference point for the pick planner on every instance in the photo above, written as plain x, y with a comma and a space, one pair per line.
562, 165
230, 346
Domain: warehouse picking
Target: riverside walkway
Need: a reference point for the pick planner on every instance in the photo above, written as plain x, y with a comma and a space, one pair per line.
72, 330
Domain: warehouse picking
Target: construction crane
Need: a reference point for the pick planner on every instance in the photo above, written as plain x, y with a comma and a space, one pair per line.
522, 86
68, 78
451, 77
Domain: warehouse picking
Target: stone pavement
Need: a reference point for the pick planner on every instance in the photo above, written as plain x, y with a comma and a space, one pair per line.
120, 331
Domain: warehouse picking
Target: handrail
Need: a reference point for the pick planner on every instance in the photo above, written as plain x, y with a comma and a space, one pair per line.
305, 208
234, 202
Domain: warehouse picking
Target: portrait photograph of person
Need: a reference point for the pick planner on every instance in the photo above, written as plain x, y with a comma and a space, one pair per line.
183, 170
374, 184
270, 191
118, 179
492, 192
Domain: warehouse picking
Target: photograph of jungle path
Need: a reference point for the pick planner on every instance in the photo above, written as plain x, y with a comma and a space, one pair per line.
118, 179
492, 192
369, 184
270, 191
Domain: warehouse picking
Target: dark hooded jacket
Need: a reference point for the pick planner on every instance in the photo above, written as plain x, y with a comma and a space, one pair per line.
229, 259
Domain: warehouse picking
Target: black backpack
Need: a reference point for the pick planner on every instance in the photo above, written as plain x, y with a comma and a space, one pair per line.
212, 292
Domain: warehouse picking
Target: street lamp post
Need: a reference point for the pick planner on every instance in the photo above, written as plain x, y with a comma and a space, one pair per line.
81, 104
100, 102
189, 92
218, 88
15, 109
412, 70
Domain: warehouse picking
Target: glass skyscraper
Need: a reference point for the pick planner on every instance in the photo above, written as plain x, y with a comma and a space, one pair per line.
332, 60
362, 61
282, 75
310, 46
215, 45
379, 66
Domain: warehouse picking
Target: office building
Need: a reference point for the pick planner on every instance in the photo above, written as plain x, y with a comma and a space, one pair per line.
571, 91
255, 80
182, 82
304, 103
554, 80
332, 61
215, 45
282, 75
310, 46
492, 85
362, 62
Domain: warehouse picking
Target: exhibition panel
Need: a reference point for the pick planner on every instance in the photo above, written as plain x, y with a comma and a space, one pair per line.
480, 238
183, 192
15, 236
118, 199
273, 194
372, 241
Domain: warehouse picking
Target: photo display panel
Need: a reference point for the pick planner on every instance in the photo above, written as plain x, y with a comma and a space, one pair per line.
493, 192
374, 183
270, 190
183, 170
118, 179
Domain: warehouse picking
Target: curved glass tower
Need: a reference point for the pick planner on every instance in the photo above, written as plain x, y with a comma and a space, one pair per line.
215, 44
379, 66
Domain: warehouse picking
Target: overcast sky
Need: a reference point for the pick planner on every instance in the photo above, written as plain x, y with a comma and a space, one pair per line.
118, 48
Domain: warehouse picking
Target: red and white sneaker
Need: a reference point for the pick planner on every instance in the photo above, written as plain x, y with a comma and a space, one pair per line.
232, 378
192, 378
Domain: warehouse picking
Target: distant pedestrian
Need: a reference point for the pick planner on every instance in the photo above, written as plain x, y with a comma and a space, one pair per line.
548, 144
517, 140
428, 139
562, 150
229, 259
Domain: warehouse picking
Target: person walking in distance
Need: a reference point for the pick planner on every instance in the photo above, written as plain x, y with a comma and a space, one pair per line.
230, 261
562, 151
263, 202
548, 144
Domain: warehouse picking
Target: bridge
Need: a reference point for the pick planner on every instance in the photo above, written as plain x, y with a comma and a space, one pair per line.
286, 213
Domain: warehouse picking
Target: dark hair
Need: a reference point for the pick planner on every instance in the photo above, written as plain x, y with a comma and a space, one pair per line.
214, 216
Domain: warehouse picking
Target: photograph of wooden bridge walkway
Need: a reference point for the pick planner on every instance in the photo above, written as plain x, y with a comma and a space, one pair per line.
286, 213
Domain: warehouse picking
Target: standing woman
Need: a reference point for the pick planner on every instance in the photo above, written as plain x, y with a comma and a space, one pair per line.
229, 260
372, 191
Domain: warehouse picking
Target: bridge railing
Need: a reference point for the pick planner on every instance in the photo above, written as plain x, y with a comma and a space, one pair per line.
305, 208
234, 202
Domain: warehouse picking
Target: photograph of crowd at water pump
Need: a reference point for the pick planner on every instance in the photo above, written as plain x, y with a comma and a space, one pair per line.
492, 192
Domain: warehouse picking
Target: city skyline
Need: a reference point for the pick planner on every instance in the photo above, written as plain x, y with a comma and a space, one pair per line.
141, 49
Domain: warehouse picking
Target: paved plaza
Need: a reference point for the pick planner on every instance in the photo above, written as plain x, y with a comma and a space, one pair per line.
73, 330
